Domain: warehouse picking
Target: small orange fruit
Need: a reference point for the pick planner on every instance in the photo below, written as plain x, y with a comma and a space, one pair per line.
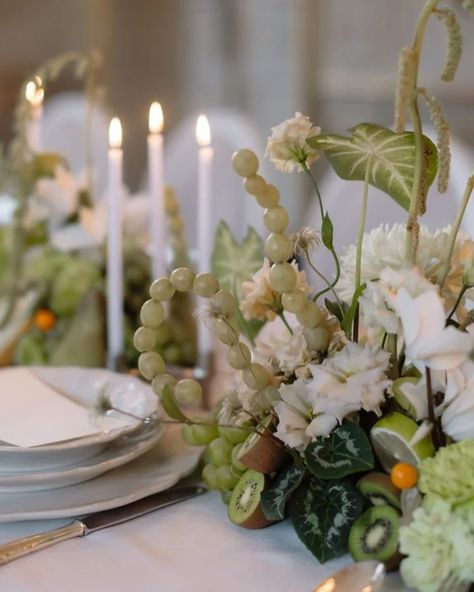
404, 476
44, 319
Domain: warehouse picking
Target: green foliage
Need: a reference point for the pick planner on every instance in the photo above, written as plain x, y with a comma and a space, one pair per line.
72, 283
348, 319
275, 498
389, 158
170, 406
322, 513
345, 451
233, 263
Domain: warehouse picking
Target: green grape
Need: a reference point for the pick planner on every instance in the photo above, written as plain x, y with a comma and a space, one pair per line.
71, 284
162, 380
205, 459
151, 364
245, 163
182, 279
255, 185
236, 464
220, 451
225, 496
162, 289
187, 391
255, 376
152, 314
209, 476
225, 478
226, 302
187, 433
172, 354
205, 434
318, 338
283, 277
234, 435
294, 301
227, 331
269, 197
311, 315
239, 356
205, 285
276, 219
144, 339
278, 247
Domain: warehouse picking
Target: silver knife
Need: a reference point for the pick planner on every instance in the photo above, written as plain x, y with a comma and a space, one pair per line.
97, 521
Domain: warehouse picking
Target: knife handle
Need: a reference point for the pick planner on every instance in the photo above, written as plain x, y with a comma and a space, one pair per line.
27, 545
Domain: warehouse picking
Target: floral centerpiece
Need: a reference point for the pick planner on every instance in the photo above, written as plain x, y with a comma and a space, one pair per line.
352, 410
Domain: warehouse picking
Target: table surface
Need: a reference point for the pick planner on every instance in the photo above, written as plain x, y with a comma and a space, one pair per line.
187, 547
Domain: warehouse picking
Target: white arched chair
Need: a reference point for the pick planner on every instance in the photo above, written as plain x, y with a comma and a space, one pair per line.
343, 200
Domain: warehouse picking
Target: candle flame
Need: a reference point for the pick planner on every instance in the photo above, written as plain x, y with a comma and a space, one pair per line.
155, 118
34, 92
203, 131
115, 133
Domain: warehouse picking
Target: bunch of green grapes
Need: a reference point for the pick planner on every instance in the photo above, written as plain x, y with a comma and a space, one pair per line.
222, 469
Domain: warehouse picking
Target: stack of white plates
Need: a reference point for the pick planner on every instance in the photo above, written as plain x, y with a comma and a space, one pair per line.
64, 463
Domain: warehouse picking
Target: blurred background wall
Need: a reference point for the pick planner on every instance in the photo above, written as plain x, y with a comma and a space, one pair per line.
334, 60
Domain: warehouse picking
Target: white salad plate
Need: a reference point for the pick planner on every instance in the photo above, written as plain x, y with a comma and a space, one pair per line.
84, 386
158, 469
115, 455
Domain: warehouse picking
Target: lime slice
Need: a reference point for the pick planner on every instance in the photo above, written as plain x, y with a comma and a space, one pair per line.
391, 438
405, 396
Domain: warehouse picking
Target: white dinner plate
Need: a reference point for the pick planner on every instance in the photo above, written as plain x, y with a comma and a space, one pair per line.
156, 470
118, 453
83, 386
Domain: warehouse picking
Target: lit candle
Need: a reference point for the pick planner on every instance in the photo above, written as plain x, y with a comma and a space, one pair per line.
155, 186
34, 94
115, 340
205, 230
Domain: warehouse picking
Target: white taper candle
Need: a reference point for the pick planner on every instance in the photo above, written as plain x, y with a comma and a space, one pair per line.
156, 191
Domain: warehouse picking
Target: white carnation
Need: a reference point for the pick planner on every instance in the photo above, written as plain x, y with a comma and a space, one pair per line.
287, 147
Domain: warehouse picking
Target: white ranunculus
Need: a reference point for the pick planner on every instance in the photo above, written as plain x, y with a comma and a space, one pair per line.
457, 417
428, 342
353, 379
287, 147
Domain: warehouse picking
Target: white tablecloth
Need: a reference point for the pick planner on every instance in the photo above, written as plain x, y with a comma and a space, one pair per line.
189, 547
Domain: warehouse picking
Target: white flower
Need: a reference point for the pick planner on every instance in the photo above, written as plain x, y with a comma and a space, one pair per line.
428, 342
258, 299
287, 147
354, 378
377, 301
230, 410
298, 424
457, 417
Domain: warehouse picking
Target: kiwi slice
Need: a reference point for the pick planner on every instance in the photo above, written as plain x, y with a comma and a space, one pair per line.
262, 453
379, 490
374, 535
244, 505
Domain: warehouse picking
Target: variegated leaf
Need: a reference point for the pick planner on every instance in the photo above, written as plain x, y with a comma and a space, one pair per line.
274, 498
389, 158
233, 263
322, 513
345, 451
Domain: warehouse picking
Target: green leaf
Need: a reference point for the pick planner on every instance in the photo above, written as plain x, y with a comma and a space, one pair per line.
348, 319
327, 232
170, 406
345, 451
274, 498
390, 158
233, 263
335, 308
322, 513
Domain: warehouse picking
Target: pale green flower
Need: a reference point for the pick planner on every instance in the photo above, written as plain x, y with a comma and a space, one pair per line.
450, 474
440, 547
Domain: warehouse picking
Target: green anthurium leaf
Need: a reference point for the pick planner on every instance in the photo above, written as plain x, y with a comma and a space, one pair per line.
274, 498
233, 263
322, 513
345, 451
390, 158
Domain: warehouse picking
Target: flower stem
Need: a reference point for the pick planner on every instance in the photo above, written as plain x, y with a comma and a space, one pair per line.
455, 229
330, 286
360, 234
285, 322
413, 224
315, 185
458, 300
438, 437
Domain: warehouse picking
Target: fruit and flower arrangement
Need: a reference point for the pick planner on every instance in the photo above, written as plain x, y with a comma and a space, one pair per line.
352, 407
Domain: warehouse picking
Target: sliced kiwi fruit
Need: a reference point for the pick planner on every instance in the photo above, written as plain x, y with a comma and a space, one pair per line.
244, 505
379, 490
374, 535
262, 453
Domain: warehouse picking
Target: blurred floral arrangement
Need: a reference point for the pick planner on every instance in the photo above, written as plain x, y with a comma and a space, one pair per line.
53, 254
352, 410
